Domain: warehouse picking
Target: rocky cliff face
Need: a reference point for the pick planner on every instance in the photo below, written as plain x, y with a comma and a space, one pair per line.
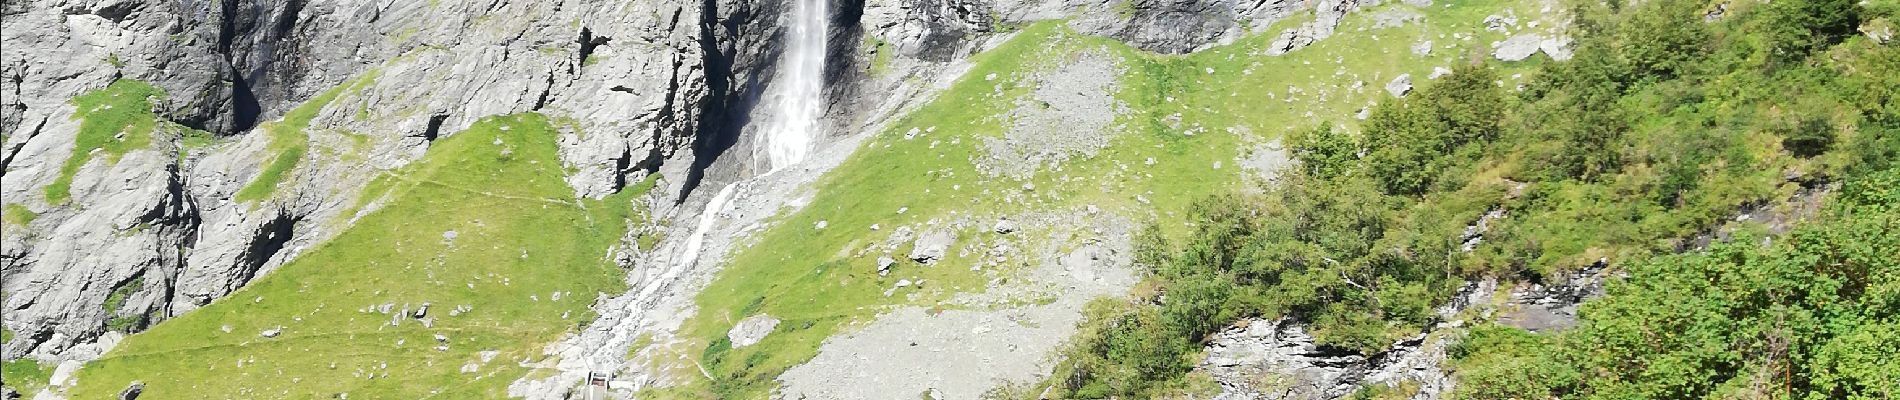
163, 229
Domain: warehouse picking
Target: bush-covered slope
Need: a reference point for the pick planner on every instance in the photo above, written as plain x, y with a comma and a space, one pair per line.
1661, 128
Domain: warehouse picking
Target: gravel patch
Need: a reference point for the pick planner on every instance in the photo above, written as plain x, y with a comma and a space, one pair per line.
1008, 333
1067, 115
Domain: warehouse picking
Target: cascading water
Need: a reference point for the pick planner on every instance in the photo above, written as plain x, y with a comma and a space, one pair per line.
798, 91
797, 104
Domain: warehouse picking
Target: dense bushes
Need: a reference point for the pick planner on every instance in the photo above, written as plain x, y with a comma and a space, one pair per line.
1811, 316
1661, 128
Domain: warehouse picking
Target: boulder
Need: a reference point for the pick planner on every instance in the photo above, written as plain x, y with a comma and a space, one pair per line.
751, 330
884, 265
1519, 47
1400, 86
932, 246
133, 391
1558, 48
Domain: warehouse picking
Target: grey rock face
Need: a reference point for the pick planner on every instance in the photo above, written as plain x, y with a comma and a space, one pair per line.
631, 75
1181, 26
1263, 354
1327, 16
931, 30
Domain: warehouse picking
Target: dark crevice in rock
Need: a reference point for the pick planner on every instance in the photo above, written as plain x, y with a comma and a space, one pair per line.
846, 73
265, 244
649, 165
717, 132
287, 20
7, 162
245, 111
588, 42
227, 27
435, 127
844, 35
117, 12
620, 169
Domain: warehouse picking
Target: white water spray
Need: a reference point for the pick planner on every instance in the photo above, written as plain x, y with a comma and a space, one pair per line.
798, 92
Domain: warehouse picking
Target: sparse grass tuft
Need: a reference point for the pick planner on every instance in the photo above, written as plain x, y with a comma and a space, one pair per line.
18, 215
289, 140
113, 120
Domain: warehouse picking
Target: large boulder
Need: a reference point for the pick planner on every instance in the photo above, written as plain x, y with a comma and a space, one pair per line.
751, 330
932, 246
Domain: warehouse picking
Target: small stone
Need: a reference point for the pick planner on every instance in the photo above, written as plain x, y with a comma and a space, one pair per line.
132, 391
272, 332
1005, 226
1439, 72
903, 283
820, 225
884, 264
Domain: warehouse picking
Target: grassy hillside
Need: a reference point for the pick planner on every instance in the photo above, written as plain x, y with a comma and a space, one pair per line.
1184, 125
482, 230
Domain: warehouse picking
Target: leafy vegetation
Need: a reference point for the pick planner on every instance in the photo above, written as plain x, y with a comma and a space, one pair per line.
484, 223
113, 120
1812, 316
1660, 128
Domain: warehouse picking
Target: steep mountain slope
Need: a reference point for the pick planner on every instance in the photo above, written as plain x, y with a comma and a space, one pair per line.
583, 198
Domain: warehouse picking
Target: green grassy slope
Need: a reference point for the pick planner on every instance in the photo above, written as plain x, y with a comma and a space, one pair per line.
1230, 98
518, 237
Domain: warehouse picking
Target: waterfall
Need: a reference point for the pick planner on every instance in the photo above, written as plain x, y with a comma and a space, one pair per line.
690, 256
798, 92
